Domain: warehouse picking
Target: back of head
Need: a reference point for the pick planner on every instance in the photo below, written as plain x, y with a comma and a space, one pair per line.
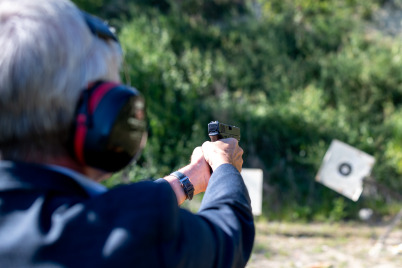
48, 56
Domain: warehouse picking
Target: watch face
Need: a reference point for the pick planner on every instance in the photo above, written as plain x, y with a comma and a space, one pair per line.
187, 187
185, 183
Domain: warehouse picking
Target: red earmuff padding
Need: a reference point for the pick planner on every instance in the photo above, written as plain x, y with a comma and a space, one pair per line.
79, 140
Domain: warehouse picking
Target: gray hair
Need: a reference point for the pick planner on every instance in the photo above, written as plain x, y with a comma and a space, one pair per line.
48, 56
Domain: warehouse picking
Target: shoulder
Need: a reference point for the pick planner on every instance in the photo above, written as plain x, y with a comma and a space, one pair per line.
124, 218
136, 197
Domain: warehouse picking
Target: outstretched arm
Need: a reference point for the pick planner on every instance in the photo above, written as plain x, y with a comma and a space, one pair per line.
197, 171
211, 154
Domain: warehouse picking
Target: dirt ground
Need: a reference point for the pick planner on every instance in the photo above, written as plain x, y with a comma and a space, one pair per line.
349, 245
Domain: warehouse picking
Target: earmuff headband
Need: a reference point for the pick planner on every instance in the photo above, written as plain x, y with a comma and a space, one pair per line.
110, 125
98, 27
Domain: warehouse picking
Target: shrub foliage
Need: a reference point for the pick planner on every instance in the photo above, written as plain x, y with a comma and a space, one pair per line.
292, 74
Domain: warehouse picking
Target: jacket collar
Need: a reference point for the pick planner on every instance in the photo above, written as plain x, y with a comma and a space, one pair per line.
29, 176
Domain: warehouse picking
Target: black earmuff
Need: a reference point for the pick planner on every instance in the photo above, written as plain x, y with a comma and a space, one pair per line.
110, 126
109, 130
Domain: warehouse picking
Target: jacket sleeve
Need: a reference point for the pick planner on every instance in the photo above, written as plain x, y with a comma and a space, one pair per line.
221, 234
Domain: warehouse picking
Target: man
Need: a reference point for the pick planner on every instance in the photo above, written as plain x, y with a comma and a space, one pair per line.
65, 124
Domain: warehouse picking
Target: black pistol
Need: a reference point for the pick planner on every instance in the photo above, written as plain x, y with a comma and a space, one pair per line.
217, 131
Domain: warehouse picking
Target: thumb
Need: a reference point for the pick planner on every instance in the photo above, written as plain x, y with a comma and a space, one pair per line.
197, 154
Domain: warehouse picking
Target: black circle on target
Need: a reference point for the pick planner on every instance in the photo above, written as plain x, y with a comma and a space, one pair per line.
345, 169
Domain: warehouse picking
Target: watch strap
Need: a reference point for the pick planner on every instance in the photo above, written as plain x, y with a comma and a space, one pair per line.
186, 184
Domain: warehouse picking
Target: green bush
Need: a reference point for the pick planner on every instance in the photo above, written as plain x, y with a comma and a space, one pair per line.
292, 74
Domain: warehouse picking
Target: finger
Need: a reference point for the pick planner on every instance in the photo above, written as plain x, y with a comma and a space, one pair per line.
206, 145
229, 140
198, 151
206, 148
197, 154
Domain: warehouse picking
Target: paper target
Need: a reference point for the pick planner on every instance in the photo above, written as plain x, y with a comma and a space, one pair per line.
253, 179
344, 168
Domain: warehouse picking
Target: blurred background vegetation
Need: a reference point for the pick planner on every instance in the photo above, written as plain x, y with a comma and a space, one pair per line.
292, 74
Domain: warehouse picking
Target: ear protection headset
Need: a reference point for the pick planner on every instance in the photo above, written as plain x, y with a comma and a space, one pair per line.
109, 129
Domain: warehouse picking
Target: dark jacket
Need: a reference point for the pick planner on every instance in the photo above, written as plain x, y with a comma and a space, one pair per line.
47, 219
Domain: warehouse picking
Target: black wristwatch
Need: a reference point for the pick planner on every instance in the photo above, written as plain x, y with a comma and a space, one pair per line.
185, 184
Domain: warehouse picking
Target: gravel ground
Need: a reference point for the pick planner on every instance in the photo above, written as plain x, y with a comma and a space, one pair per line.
324, 246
